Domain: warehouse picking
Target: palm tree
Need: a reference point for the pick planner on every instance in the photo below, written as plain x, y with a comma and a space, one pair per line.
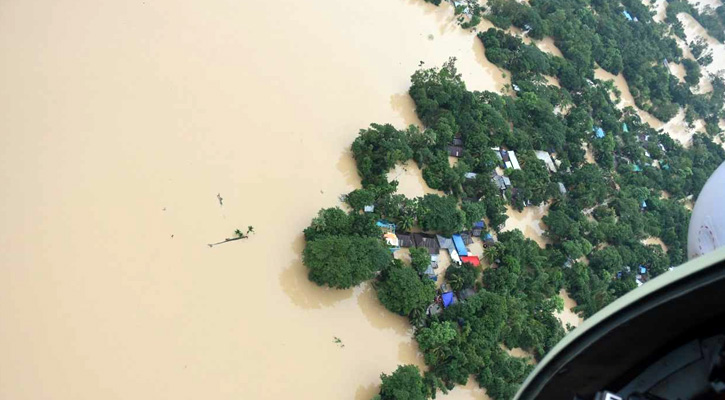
417, 316
406, 222
456, 281
239, 235
491, 252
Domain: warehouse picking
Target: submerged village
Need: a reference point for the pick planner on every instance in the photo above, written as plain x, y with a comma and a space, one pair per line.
466, 247
613, 187
454, 185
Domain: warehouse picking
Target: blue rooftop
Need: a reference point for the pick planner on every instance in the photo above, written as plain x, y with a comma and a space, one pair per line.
386, 225
479, 224
460, 246
448, 299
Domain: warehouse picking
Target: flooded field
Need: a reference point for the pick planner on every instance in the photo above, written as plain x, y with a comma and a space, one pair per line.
123, 122
676, 127
660, 8
701, 4
547, 44
529, 222
655, 241
567, 316
678, 70
588, 153
693, 30
410, 180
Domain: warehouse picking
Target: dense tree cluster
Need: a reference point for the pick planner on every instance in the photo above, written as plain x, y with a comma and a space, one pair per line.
599, 215
712, 19
600, 35
440, 214
515, 307
344, 261
701, 51
692, 69
601, 219
377, 150
403, 384
401, 290
596, 229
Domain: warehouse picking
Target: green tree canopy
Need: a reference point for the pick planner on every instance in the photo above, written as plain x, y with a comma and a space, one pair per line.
377, 150
401, 290
405, 383
419, 259
440, 214
344, 261
462, 277
474, 212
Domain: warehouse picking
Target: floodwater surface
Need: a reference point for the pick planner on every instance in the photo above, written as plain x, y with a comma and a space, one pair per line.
677, 128
410, 180
528, 222
567, 316
123, 121
693, 30
655, 241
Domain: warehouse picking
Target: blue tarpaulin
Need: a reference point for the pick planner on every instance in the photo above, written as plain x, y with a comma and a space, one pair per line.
599, 132
642, 269
626, 14
447, 299
386, 225
460, 246
625, 127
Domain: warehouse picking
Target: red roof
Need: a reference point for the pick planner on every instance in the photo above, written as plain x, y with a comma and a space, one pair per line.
473, 260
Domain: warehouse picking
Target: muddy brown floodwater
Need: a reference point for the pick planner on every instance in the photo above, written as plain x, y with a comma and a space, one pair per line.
655, 241
528, 222
121, 123
676, 127
410, 180
567, 316
693, 31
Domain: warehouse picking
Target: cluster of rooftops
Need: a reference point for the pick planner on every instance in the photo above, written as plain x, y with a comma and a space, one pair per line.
641, 276
643, 139
508, 160
456, 245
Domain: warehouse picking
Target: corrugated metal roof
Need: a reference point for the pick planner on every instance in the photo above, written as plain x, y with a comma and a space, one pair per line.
473, 260
455, 151
460, 246
405, 240
514, 160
